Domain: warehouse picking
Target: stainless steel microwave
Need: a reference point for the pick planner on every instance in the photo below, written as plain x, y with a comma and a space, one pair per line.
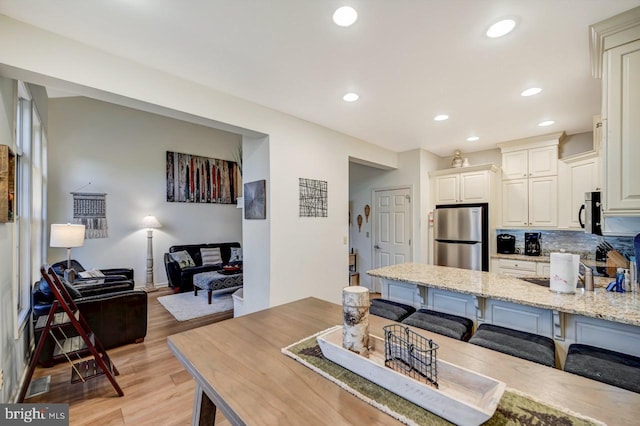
592, 213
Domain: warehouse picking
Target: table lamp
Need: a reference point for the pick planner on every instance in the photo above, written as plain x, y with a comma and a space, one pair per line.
69, 236
150, 223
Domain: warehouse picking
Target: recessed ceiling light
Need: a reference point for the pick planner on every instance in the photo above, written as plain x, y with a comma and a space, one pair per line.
546, 123
351, 97
531, 91
472, 138
345, 16
501, 28
441, 117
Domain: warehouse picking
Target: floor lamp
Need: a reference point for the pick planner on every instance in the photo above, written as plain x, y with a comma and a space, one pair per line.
150, 223
68, 236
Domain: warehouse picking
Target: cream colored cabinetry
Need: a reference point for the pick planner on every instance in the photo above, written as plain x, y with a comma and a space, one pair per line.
576, 176
528, 163
517, 268
473, 185
530, 202
530, 182
621, 118
520, 268
615, 56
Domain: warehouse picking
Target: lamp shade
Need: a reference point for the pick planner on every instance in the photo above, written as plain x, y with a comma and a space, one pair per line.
151, 222
66, 235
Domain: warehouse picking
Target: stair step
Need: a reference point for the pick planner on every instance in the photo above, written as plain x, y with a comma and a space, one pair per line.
72, 346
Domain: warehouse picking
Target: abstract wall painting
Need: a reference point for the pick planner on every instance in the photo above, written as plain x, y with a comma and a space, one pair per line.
196, 179
255, 200
313, 198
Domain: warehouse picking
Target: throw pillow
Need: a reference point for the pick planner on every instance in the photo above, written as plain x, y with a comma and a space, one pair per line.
73, 292
211, 256
236, 254
183, 258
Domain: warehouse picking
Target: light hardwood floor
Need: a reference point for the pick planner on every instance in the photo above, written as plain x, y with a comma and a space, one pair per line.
157, 389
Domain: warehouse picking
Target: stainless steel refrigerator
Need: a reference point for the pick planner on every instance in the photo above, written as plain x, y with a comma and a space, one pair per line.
461, 236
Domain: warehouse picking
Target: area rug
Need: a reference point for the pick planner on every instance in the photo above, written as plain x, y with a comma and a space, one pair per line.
515, 408
186, 306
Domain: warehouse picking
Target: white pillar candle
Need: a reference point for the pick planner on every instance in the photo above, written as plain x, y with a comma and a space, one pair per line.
355, 316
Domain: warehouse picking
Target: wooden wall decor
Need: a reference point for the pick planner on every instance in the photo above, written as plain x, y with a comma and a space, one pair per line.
359, 222
7, 184
367, 210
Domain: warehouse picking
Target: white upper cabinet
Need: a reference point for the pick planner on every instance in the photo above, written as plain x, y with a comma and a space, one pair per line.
530, 182
463, 185
533, 162
530, 202
615, 55
576, 176
622, 130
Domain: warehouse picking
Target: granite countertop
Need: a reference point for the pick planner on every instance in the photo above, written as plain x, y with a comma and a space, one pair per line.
611, 306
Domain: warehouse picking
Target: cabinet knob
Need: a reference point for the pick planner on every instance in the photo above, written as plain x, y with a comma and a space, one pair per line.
524, 175
525, 223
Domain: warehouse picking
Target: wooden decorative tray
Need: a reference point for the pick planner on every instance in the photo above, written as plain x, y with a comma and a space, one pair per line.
463, 397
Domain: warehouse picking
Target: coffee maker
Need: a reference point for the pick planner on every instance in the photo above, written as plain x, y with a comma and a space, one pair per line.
532, 243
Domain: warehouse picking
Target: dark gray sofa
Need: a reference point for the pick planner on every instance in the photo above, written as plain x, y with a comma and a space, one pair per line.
181, 280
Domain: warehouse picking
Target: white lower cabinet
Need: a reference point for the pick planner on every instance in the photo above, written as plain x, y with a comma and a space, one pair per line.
520, 268
543, 269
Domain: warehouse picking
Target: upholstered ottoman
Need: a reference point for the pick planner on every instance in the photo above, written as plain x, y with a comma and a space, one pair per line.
438, 322
603, 365
389, 309
521, 344
217, 282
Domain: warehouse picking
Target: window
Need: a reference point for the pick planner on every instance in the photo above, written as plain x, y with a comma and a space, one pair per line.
31, 198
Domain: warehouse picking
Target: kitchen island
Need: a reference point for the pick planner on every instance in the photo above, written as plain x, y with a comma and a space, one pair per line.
599, 318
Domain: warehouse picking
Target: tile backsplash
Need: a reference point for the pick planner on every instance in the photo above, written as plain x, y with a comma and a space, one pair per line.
572, 241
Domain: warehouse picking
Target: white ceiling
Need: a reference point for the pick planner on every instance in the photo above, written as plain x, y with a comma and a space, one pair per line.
408, 59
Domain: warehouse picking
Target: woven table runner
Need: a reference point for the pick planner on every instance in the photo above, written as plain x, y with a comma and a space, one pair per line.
515, 408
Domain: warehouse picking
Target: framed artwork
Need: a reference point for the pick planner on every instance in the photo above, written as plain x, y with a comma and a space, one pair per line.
313, 198
196, 179
255, 200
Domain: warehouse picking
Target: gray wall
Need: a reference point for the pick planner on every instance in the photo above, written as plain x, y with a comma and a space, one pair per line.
122, 152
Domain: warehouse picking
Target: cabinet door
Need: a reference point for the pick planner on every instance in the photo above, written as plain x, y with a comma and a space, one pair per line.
515, 196
622, 132
543, 201
515, 164
474, 187
447, 189
543, 161
543, 269
574, 179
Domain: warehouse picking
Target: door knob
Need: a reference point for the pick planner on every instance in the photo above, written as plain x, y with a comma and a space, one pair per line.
377, 247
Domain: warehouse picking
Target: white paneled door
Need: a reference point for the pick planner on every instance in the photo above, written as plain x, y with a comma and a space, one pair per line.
391, 229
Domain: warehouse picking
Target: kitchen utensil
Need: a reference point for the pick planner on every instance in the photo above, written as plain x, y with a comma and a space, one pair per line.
614, 261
